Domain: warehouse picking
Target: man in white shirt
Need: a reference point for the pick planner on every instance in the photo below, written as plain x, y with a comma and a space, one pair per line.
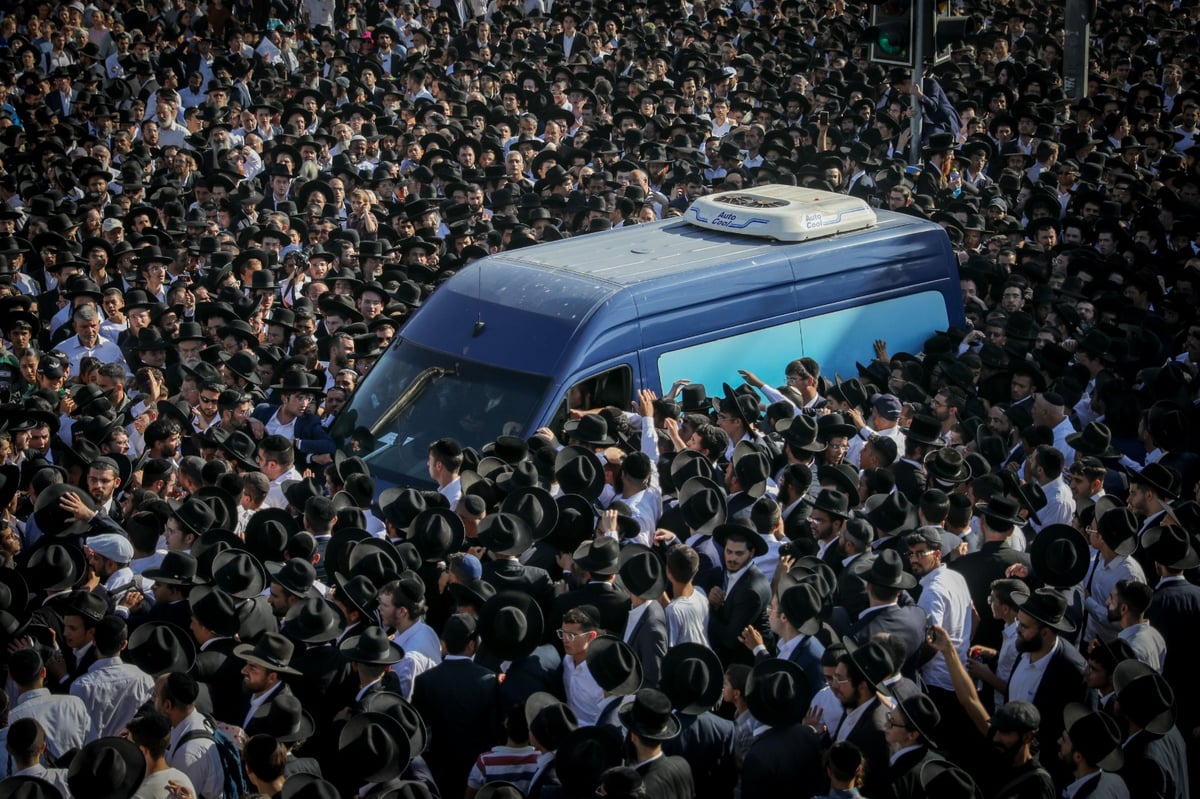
87, 341
1127, 604
584, 695
1045, 467
25, 747
687, 613
946, 600
402, 608
191, 748
276, 458
445, 462
64, 718
1114, 537
112, 690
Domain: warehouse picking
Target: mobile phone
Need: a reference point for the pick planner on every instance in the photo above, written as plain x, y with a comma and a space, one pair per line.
823, 118
929, 630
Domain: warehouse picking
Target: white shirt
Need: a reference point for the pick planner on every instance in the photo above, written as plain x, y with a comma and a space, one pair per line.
1101, 579
831, 708
410, 667
112, 691
277, 428
64, 719
946, 600
55, 776
1006, 658
687, 619
452, 491
199, 758
1060, 505
420, 638
155, 785
1027, 676
104, 349
275, 497
584, 696
1148, 643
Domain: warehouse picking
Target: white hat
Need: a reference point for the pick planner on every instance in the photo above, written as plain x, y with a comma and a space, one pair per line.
112, 546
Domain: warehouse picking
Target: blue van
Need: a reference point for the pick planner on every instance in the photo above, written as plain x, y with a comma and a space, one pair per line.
744, 280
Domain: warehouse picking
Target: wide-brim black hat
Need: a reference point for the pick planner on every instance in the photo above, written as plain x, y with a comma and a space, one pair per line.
272, 651
614, 666
691, 676
1170, 546
374, 747
580, 760
536, 506
579, 471
703, 505
313, 621
283, 718
641, 572
1059, 556
372, 647
511, 625
723, 532
505, 533
159, 647
54, 567
598, 556
778, 693
1046, 606
51, 519
1145, 696
108, 767
24, 787
239, 573
887, 571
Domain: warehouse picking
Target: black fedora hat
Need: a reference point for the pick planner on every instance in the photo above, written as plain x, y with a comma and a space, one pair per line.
922, 714
239, 573
510, 624
834, 425
473, 593
176, 568
1095, 735
1059, 556
1170, 546
691, 676
591, 429
536, 506
51, 519
887, 571
108, 767
752, 468
1144, 696
703, 505
579, 471
358, 592
1118, 527
296, 576
1163, 479
54, 567
436, 532
223, 504
800, 433
272, 651
372, 647
802, 603
778, 693
925, 430
505, 533
649, 716
580, 760
740, 405
835, 503
614, 666
195, 515
214, 610
308, 786
26, 787
893, 514
1047, 606
159, 647
947, 466
688, 464
598, 556
14, 599
284, 719
374, 747
1095, 439
641, 572
1002, 508
576, 523
757, 543
312, 621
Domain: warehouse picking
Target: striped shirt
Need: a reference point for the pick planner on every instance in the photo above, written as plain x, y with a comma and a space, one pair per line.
515, 764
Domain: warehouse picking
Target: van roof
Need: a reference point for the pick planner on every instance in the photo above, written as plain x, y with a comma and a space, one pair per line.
675, 247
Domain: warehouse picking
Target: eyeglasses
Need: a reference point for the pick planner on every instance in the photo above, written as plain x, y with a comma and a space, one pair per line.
209, 400
567, 637
920, 554
892, 723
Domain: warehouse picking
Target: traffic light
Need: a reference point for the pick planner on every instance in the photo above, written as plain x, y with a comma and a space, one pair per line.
947, 32
892, 32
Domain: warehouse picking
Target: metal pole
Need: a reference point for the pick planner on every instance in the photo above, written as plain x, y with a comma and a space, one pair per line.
918, 76
1075, 46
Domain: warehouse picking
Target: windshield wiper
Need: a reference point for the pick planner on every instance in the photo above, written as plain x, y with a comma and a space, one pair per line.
419, 385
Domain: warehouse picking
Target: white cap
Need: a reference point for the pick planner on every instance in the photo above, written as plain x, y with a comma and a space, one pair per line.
112, 546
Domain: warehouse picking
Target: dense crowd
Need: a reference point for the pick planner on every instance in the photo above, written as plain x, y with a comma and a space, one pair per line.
967, 571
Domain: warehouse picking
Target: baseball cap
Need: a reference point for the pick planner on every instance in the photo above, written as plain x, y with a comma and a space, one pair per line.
52, 368
112, 224
998, 203
928, 535
887, 406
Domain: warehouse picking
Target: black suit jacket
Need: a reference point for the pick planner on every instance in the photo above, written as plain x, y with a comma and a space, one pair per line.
1062, 684
1174, 609
833, 557
782, 761
459, 701
904, 776
851, 591
649, 641
1157, 765
541, 670
612, 603
705, 742
221, 671
254, 728
746, 604
512, 575
905, 621
910, 480
979, 569
868, 736
668, 778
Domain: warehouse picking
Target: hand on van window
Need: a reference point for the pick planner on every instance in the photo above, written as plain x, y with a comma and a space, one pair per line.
751, 378
547, 434
676, 387
881, 352
672, 428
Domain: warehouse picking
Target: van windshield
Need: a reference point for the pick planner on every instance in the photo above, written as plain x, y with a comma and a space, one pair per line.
415, 395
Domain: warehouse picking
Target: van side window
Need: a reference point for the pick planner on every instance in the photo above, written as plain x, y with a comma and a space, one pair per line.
612, 387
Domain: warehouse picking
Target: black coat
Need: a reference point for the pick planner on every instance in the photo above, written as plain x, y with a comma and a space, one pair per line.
459, 701
668, 778
326, 681
905, 621
833, 557
979, 569
910, 480
904, 776
1174, 609
221, 671
511, 575
782, 762
649, 641
1157, 765
540, 670
1062, 684
868, 736
254, 728
705, 741
745, 605
851, 591
612, 603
